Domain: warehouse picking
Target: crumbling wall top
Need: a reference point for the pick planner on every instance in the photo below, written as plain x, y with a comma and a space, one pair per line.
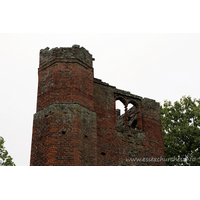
151, 104
74, 52
99, 81
127, 94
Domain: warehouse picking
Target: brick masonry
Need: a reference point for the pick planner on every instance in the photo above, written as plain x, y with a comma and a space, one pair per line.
76, 122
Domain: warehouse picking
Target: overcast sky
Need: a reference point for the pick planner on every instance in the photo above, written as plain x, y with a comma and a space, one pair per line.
160, 66
157, 66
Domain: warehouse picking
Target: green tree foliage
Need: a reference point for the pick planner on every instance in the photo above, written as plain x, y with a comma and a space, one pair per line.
181, 131
5, 159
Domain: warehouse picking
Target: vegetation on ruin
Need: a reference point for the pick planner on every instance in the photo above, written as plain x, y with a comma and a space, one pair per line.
5, 158
181, 131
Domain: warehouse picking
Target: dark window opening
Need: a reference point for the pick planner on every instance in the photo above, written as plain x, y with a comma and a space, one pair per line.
126, 115
134, 124
63, 132
103, 154
86, 136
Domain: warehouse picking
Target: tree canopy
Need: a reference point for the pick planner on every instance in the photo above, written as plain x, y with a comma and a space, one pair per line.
5, 159
181, 131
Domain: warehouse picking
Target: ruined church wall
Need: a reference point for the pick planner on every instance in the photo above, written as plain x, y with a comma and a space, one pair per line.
152, 126
64, 127
104, 106
120, 147
76, 123
62, 77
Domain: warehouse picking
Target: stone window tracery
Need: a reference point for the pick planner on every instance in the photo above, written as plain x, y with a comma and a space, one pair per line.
128, 119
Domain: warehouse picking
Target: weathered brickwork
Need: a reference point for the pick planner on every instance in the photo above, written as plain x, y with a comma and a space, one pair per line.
77, 123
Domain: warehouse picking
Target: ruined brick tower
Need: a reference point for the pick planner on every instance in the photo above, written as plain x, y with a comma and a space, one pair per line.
76, 122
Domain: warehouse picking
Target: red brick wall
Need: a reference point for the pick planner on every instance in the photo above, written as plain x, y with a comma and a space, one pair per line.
152, 126
65, 81
104, 106
119, 147
76, 123
64, 128
64, 134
